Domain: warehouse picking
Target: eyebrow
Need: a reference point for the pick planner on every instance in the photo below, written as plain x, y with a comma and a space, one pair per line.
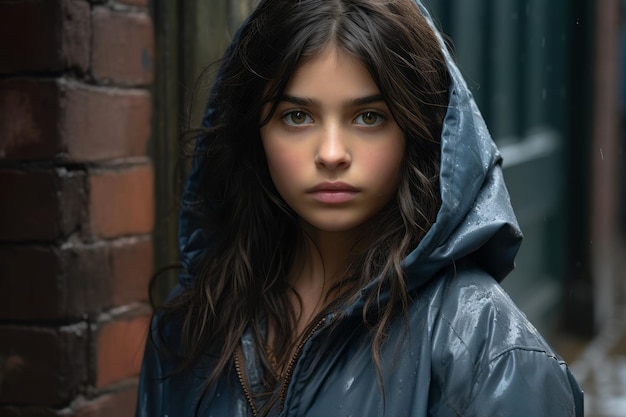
360, 101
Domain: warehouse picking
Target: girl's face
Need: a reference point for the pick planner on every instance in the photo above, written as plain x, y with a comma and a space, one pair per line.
333, 149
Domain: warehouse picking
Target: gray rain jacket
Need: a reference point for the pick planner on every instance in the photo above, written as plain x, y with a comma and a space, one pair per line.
467, 351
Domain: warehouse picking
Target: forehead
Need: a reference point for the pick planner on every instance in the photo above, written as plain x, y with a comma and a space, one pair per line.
331, 73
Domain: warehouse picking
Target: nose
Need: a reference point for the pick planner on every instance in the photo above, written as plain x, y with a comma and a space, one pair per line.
332, 151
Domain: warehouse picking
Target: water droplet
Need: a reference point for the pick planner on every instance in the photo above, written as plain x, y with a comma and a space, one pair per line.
349, 383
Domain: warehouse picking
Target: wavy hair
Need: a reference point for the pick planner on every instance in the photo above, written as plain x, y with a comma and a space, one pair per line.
242, 282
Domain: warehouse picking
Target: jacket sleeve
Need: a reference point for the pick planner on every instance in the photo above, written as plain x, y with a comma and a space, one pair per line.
522, 382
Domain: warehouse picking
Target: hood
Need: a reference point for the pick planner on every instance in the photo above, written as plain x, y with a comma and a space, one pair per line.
476, 217
475, 221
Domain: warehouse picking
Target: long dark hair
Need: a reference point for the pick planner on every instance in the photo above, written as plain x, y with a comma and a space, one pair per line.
242, 281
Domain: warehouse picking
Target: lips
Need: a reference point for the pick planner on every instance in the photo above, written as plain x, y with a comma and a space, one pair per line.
333, 192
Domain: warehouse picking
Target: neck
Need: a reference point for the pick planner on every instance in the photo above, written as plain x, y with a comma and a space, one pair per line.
325, 256
320, 265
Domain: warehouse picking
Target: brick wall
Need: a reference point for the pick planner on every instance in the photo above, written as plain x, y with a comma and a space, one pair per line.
76, 204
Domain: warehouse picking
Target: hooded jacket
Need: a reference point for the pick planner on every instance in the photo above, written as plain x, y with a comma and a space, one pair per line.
467, 349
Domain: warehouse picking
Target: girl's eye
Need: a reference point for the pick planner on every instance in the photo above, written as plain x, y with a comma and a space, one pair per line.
297, 118
369, 118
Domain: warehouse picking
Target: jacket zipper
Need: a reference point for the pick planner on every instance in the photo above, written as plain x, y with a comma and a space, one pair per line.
286, 379
243, 381
292, 364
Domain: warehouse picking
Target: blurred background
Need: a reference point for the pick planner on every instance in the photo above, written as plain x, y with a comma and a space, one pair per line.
95, 94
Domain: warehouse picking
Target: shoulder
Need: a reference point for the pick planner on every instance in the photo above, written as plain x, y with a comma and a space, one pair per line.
488, 359
482, 316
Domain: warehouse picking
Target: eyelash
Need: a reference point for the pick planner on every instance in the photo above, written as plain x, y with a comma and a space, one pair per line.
380, 118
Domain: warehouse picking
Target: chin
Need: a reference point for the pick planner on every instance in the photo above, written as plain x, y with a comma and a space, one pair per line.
337, 227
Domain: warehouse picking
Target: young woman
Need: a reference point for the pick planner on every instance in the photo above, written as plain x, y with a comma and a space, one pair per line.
343, 230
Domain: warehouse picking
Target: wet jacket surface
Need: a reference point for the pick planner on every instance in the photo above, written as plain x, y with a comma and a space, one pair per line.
467, 350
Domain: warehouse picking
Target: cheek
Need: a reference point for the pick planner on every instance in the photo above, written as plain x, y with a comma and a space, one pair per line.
284, 166
277, 162
387, 163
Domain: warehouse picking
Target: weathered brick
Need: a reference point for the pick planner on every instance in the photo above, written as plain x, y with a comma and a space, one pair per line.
132, 270
123, 47
44, 35
30, 286
53, 268
66, 120
42, 366
61, 283
32, 207
122, 201
119, 403
119, 349
105, 123
56, 283
29, 113
40, 205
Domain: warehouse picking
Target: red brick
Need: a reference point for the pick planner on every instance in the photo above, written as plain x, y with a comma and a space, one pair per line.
31, 208
42, 366
30, 286
44, 35
119, 349
120, 403
40, 205
29, 113
123, 47
132, 270
122, 201
53, 283
45, 119
105, 123
50, 283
